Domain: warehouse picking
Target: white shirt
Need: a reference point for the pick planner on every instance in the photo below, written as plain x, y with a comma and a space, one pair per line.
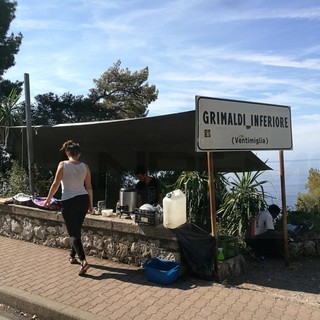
263, 222
72, 183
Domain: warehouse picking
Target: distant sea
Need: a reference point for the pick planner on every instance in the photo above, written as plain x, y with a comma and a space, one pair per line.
296, 174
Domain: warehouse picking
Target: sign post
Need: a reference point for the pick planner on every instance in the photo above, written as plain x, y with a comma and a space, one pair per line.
284, 208
229, 125
224, 125
212, 207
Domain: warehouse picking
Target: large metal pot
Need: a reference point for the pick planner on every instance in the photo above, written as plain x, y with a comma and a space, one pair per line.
127, 200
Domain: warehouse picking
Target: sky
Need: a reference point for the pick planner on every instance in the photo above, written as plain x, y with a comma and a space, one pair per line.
248, 50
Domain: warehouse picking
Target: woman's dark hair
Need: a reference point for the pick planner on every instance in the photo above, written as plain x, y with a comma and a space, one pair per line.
72, 147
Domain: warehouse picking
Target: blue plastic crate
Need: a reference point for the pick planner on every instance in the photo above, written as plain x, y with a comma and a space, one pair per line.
161, 271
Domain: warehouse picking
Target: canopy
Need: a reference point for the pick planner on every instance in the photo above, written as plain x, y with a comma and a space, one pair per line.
160, 143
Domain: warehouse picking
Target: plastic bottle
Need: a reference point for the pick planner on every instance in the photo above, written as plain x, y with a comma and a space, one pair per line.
220, 254
174, 209
118, 207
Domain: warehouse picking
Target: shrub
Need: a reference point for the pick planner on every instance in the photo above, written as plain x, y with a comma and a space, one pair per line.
17, 181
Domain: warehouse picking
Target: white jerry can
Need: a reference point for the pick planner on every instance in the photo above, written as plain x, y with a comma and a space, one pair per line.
174, 209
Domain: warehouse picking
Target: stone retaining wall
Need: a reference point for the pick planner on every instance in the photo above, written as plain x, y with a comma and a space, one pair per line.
112, 238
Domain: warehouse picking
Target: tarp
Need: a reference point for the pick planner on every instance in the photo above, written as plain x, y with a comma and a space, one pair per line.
198, 248
161, 143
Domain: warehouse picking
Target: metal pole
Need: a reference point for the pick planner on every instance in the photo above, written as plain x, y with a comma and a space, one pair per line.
29, 131
106, 188
284, 208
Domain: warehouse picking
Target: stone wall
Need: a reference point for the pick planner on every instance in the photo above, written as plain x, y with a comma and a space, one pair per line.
113, 238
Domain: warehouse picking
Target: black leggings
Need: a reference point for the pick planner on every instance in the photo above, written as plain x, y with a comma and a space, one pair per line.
74, 211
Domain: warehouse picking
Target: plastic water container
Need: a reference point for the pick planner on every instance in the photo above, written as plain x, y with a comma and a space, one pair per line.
174, 209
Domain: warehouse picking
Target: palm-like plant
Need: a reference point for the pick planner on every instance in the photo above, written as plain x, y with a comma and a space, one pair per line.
9, 112
9, 108
241, 202
195, 186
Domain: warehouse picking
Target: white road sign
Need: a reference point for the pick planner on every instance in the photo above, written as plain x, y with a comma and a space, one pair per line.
223, 125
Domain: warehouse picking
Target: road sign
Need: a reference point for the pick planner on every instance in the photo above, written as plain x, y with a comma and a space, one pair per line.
223, 125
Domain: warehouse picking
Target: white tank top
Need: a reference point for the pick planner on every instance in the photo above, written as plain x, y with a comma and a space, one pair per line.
72, 183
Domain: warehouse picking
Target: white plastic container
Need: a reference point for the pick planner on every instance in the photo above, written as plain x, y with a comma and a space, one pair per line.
107, 212
174, 209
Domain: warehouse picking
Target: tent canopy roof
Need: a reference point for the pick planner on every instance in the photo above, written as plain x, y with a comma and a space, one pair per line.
160, 143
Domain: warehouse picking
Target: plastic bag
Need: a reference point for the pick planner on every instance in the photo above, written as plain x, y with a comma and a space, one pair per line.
55, 204
23, 199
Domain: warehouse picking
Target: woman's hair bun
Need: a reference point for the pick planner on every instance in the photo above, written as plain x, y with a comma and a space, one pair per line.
71, 146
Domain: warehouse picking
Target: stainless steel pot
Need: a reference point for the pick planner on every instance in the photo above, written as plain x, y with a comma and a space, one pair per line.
127, 200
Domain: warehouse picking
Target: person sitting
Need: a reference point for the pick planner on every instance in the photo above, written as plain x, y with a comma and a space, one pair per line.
263, 239
148, 188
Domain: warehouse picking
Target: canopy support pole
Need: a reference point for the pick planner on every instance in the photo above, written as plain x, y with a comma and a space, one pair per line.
29, 133
213, 208
284, 208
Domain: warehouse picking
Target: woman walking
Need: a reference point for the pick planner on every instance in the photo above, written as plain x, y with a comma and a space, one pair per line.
76, 200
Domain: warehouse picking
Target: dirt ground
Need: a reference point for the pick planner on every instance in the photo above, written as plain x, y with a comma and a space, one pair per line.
300, 280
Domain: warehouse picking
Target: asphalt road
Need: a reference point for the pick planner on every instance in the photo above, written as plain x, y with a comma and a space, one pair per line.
9, 313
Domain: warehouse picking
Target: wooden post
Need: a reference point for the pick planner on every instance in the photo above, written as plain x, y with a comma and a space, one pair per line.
284, 208
213, 208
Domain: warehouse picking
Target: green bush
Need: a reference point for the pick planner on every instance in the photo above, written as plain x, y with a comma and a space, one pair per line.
17, 181
296, 217
241, 202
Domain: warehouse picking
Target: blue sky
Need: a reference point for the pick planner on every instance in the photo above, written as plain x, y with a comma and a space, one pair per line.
251, 50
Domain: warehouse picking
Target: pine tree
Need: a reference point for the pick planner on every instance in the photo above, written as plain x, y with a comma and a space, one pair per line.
9, 46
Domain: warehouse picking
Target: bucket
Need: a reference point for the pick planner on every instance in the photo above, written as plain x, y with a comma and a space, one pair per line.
174, 209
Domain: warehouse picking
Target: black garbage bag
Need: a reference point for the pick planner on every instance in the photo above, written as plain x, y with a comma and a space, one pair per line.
198, 248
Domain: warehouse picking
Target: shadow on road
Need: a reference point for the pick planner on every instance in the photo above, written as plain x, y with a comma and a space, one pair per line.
138, 276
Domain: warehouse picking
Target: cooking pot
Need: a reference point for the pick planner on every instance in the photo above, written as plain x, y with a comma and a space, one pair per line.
128, 200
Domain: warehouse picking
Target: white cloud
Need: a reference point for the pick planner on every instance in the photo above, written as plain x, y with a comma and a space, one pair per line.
66, 46
262, 51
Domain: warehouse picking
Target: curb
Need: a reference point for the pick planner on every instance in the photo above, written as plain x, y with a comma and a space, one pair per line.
43, 308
